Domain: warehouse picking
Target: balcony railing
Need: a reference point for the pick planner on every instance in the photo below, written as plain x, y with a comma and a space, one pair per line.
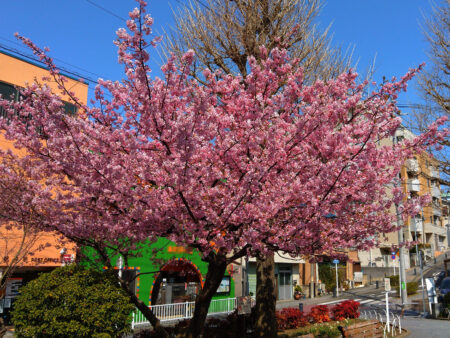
435, 192
416, 225
434, 173
437, 210
414, 185
412, 165
431, 228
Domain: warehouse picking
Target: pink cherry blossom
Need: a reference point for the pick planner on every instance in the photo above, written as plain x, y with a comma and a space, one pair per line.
230, 167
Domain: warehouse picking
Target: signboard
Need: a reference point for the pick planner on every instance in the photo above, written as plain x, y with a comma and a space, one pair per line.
67, 258
387, 284
244, 305
11, 292
12, 287
431, 290
358, 277
335, 261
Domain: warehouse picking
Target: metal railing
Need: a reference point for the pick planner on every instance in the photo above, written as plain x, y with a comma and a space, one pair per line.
391, 328
180, 311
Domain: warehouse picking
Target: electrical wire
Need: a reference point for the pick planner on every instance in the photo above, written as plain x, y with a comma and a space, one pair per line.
106, 10
29, 57
57, 59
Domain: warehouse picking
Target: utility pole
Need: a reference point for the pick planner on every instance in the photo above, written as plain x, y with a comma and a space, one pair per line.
419, 255
402, 274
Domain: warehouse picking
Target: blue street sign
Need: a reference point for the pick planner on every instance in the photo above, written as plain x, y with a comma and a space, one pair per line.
335, 261
393, 256
393, 253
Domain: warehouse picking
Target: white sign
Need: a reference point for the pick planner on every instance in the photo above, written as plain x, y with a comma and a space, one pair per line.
387, 284
12, 287
431, 290
358, 277
244, 305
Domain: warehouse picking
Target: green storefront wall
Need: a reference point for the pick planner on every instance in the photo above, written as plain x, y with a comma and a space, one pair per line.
155, 257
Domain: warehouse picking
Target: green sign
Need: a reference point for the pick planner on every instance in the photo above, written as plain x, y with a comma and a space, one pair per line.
403, 286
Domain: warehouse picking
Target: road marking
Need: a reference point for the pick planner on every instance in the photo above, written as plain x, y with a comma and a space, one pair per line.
334, 301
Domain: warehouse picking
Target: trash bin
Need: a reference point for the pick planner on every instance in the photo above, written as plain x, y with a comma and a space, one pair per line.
300, 306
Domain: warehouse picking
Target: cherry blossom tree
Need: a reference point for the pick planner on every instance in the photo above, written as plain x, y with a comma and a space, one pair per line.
230, 166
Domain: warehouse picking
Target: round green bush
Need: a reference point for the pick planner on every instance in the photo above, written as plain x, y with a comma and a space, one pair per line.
72, 301
411, 288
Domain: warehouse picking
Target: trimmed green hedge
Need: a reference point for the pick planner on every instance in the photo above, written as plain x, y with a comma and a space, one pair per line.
72, 301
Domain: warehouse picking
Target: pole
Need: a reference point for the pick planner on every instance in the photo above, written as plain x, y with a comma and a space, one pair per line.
387, 311
402, 274
337, 282
120, 265
311, 281
394, 266
419, 257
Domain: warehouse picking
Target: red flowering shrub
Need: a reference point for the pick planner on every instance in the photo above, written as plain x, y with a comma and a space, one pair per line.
346, 309
290, 318
319, 314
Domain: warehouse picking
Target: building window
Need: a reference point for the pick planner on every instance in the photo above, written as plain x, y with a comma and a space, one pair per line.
224, 287
10, 92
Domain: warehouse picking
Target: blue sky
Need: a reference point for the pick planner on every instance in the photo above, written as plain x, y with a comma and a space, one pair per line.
80, 34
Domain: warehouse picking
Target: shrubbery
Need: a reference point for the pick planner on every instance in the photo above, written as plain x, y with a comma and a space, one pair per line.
346, 309
394, 280
319, 314
446, 300
72, 301
411, 287
291, 318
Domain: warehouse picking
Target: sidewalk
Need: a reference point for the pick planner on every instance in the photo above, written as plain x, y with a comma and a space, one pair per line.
411, 277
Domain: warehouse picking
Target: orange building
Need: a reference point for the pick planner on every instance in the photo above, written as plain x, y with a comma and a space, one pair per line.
42, 251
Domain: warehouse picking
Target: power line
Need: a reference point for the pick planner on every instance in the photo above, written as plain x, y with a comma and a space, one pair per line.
106, 10
59, 60
31, 58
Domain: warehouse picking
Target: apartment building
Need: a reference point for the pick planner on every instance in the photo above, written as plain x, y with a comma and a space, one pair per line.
419, 176
42, 251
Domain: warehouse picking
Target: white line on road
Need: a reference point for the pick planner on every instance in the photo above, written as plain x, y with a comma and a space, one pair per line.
334, 301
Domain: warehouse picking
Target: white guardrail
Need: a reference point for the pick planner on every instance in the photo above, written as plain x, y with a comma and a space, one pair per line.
391, 328
179, 311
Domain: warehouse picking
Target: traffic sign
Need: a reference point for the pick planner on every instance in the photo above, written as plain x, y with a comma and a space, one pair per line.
335, 261
393, 256
387, 284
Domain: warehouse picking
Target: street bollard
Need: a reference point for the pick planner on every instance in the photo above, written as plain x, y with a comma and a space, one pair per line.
377, 284
300, 306
434, 260
415, 272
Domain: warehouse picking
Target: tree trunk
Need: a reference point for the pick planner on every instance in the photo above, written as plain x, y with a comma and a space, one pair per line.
145, 310
216, 270
265, 320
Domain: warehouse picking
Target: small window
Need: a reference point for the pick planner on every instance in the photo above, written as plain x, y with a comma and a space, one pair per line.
8, 92
70, 108
225, 285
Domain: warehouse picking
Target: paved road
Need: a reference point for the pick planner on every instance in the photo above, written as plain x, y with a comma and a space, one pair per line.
422, 328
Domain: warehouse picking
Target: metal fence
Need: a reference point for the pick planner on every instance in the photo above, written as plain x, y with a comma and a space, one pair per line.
392, 325
179, 311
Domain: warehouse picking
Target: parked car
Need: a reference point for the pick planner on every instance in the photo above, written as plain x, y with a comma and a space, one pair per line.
438, 278
445, 288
